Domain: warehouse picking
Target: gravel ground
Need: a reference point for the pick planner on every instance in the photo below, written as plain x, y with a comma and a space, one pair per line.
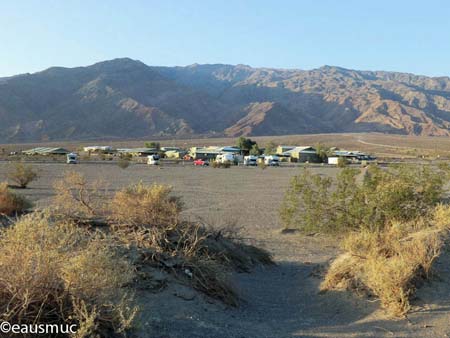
279, 301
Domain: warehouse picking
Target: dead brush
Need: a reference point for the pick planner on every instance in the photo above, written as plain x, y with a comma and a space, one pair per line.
77, 198
10, 202
148, 217
57, 273
390, 263
22, 174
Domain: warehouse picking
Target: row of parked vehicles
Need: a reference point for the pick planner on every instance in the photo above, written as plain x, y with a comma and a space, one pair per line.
250, 160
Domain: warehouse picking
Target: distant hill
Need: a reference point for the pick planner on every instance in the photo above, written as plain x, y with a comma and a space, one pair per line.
124, 98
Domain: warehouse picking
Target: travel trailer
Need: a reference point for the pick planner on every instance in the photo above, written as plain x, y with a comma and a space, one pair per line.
224, 158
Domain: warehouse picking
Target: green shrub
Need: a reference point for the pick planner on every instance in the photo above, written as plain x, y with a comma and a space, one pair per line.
365, 199
342, 162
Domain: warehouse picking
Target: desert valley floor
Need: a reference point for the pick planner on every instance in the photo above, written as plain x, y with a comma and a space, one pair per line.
278, 301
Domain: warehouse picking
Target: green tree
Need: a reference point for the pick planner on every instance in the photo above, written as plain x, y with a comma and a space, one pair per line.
323, 152
245, 144
271, 148
152, 144
255, 150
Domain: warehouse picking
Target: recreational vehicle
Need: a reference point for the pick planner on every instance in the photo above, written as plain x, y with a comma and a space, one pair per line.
153, 159
251, 160
72, 158
272, 160
225, 158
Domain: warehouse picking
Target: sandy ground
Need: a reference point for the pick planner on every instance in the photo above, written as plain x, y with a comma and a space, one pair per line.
278, 301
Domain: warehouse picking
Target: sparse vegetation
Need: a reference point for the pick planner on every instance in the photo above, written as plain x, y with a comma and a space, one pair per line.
56, 273
148, 218
123, 163
393, 220
22, 174
10, 202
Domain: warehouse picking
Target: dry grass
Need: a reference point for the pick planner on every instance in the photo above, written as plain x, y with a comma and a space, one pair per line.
56, 273
10, 202
390, 263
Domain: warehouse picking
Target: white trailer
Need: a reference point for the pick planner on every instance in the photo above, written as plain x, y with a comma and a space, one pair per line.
333, 160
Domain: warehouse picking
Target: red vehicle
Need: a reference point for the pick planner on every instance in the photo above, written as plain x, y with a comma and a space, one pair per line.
201, 162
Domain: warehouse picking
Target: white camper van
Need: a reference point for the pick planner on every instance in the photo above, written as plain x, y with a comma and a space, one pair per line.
72, 158
153, 159
272, 160
251, 160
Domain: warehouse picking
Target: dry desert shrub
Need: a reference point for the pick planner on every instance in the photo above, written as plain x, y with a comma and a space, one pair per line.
78, 198
390, 263
10, 202
148, 218
225, 165
141, 205
123, 163
56, 273
22, 174
441, 216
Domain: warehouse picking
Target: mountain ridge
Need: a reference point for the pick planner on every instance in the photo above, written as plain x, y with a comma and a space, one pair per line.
125, 98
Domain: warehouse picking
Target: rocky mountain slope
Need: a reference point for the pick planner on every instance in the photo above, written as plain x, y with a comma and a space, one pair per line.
124, 98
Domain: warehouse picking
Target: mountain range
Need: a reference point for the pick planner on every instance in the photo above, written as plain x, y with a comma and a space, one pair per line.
124, 98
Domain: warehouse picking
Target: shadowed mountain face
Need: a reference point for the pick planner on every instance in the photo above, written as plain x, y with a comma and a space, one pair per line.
124, 98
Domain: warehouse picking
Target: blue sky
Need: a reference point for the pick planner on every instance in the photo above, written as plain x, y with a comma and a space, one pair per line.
410, 36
